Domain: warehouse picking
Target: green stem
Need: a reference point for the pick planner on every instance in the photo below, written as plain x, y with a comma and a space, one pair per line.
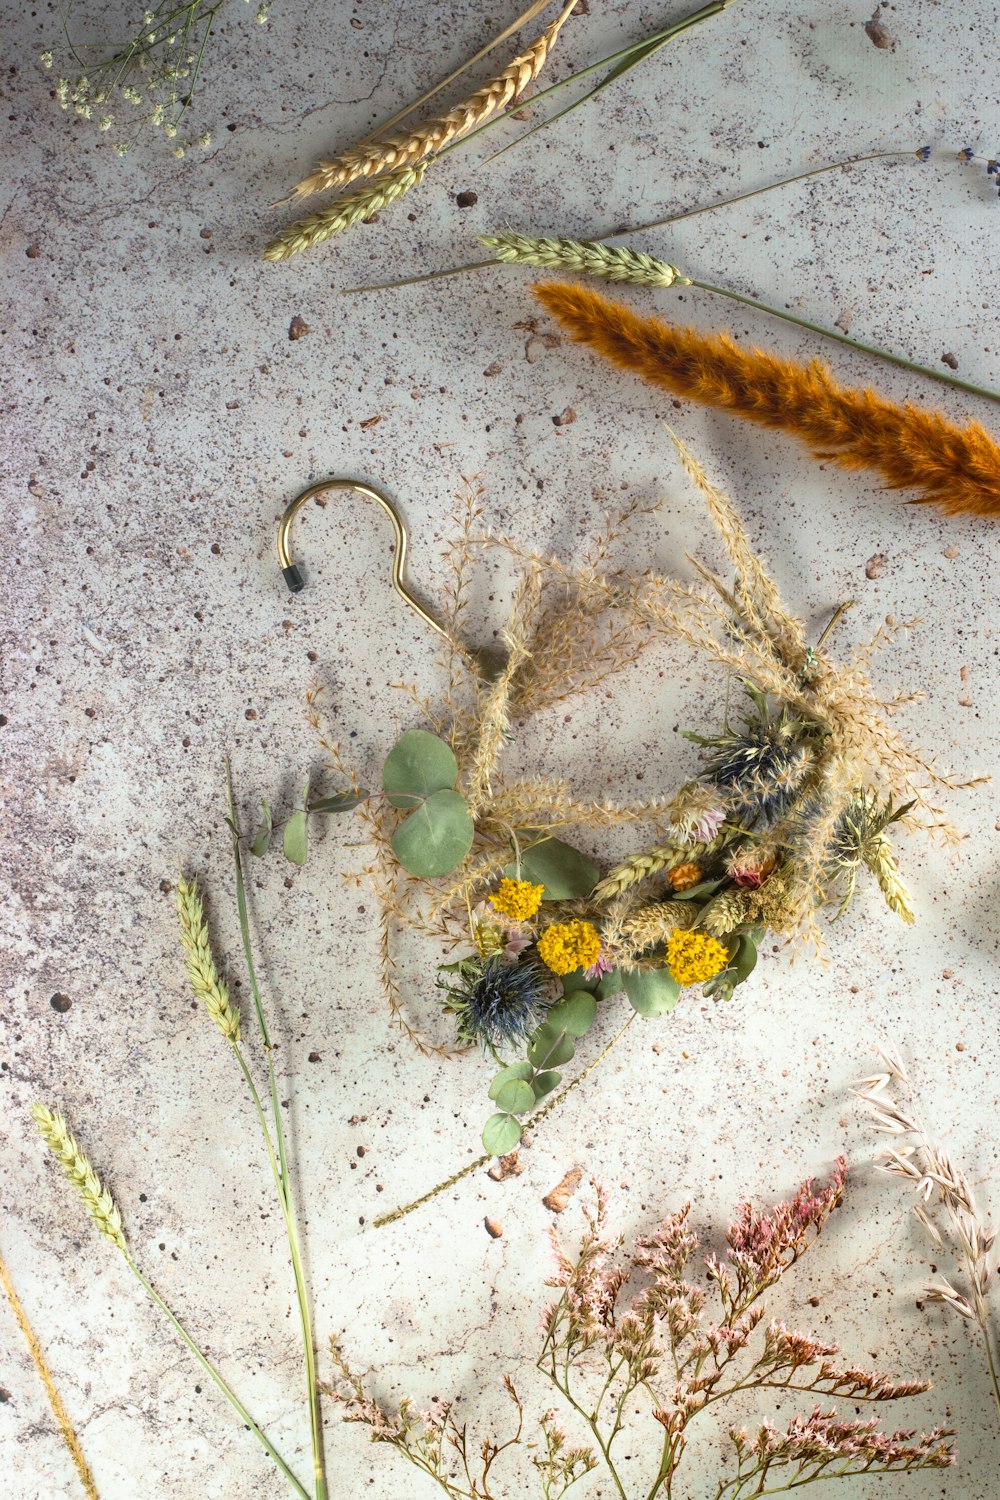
992, 1366
486, 1158
644, 48
843, 338
211, 1371
279, 1168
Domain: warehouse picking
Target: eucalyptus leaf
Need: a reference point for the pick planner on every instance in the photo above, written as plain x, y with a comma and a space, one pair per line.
522, 1070
575, 1014
610, 984
516, 1096
262, 837
342, 802
550, 1046
501, 1134
651, 992
703, 888
742, 965
564, 872
544, 1083
435, 838
417, 766
296, 837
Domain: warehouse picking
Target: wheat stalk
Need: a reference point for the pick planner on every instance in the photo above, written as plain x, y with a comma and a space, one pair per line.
641, 866
45, 1376
587, 257
390, 151
338, 216
97, 1200
206, 981
882, 863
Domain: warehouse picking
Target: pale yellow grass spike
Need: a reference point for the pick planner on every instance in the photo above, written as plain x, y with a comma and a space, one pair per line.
59, 1411
391, 151
494, 725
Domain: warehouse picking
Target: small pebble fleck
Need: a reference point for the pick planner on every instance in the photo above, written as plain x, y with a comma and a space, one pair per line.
60, 1002
493, 1228
298, 328
564, 418
950, 361
466, 200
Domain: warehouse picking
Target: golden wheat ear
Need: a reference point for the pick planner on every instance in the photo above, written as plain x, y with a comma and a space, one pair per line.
955, 468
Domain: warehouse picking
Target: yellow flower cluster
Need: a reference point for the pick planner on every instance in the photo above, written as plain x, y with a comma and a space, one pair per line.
569, 945
694, 957
517, 899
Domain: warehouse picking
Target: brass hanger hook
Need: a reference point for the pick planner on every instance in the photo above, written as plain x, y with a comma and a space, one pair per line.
489, 662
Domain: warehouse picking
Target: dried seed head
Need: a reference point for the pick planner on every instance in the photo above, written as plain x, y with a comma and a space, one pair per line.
206, 981
96, 1198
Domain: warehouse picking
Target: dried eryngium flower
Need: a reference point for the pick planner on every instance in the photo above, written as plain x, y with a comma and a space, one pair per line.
602, 1352
946, 1207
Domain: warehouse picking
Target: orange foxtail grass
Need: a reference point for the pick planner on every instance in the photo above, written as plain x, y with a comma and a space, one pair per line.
953, 467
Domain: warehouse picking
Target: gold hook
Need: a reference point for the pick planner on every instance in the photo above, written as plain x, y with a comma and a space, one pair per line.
489, 663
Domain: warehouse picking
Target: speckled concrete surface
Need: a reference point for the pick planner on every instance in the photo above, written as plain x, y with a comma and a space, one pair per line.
159, 419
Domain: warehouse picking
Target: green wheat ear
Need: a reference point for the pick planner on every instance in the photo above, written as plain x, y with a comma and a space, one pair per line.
97, 1200
206, 981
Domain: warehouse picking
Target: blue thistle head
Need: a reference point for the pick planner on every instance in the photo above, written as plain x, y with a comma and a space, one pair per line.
497, 1003
762, 766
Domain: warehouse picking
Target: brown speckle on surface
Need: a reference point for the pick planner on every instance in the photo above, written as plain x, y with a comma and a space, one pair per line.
875, 565
949, 360
564, 418
466, 199
298, 328
60, 1002
563, 1191
33, 252
315, 1057
493, 1228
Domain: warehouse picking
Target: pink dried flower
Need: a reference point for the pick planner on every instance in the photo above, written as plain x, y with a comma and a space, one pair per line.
696, 814
763, 1246
602, 965
517, 940
751, 866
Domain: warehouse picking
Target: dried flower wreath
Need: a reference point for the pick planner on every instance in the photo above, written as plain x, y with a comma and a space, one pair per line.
601, 1353
793, 800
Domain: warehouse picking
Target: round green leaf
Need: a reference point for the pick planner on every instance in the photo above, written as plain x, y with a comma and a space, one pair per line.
651, 992
436, 838
550, 1047
611, 984
516, 1070
575, 1014
418, 765
262, 837
544, 1083
296, 838
516, 1096
562, 870
501, 1134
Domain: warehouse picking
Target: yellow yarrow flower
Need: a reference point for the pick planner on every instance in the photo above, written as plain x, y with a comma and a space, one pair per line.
517, 899
566, 946
694, 957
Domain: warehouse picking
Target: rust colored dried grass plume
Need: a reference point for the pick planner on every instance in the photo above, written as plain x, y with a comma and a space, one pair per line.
956, 468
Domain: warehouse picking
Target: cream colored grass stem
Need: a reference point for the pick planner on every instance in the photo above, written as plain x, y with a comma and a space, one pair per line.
59, 1411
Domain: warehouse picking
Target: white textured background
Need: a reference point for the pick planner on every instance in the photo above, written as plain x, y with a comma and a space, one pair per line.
160, 418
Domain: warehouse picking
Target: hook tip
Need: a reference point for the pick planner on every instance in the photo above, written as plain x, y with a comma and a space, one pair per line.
292, 576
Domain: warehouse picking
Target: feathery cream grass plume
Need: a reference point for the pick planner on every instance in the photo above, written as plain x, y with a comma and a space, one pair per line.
340, 215
59, 1411
206, 981
384, 153
587, 257
97, 1200
947, 1208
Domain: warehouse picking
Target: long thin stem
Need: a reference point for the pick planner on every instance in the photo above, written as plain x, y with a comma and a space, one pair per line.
280, 1169
843, 338
59, 1411
991, 1362
213, 1373
486, 1158
644, 49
